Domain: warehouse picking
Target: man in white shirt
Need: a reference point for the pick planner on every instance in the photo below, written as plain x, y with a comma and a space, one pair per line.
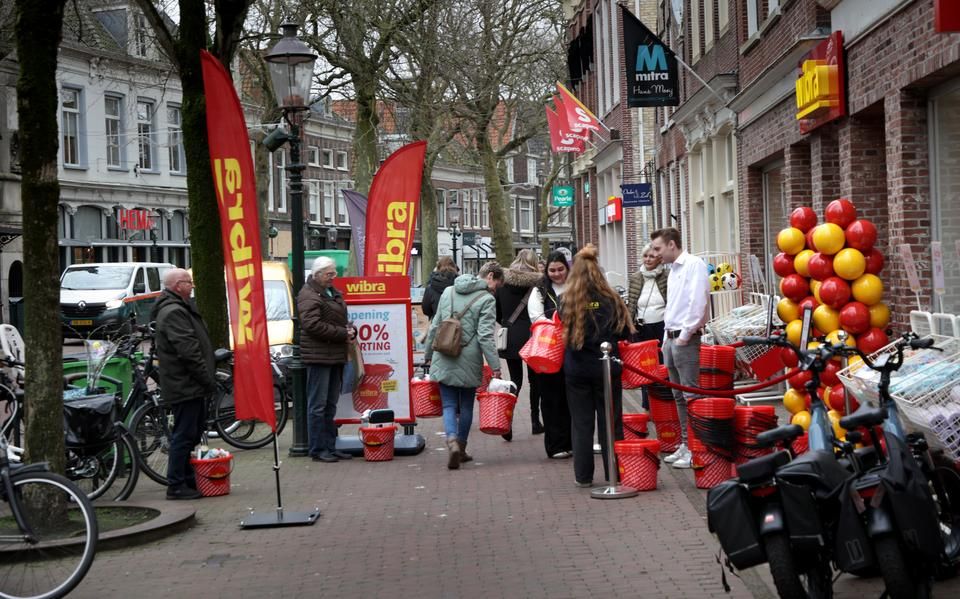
688, 298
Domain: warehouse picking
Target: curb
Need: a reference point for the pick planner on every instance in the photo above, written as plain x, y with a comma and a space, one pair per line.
170, 520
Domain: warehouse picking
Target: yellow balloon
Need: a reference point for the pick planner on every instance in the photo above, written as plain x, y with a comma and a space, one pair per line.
794, 401
791, 240
788, 310
800, 262
879, 315
801, 418
793, 332
834, 338
815, 289
828, 238
868, 289
838, 431
826, 318
849, 264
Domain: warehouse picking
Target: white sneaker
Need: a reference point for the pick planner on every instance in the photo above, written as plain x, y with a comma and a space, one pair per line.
673, 457
684, 460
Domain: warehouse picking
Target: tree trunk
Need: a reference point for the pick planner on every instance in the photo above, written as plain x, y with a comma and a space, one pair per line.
206, 249
39, 25
499, 219
428, 224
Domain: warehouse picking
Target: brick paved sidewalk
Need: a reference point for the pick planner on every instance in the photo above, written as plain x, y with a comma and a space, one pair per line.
511, 524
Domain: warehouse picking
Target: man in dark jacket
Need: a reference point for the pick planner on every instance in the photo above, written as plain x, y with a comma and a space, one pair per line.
187, 376
325, 335
441, 278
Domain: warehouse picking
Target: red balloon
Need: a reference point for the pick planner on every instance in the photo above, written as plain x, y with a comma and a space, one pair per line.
855, 318
829, 375
808, 301
809, 237
803, 218
783, 265
798, 381
788, 358
820, 266
872, 340
795, 287
861, 235
874, 261
837, 394
834, 292
840, 212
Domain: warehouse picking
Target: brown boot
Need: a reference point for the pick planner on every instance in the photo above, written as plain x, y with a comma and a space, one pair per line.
453, 447
464, 457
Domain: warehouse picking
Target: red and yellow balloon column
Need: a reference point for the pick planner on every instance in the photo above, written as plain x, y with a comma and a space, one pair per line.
833, 268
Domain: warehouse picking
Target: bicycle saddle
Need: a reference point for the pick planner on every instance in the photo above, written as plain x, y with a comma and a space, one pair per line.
865, 416
222, 354
787, 432
763, 468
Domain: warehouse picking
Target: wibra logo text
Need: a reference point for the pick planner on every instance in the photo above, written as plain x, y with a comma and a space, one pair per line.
366, 287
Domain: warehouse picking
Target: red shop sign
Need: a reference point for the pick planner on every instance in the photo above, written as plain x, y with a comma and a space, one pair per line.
821, 84
946, 16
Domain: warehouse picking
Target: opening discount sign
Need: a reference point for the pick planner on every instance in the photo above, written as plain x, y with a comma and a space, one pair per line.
379, 308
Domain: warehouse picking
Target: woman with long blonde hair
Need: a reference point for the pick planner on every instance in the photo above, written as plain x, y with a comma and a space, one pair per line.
592, 313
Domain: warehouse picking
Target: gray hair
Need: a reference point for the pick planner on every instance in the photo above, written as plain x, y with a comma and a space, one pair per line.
646, 249
322, 263
491, 268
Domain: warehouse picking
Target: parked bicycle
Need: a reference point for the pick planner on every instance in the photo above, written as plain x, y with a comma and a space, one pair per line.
48, 530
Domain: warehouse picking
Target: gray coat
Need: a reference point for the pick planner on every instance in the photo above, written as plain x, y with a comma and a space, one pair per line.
477, 324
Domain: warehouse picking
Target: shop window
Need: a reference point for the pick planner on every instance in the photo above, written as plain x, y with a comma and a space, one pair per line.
945, 173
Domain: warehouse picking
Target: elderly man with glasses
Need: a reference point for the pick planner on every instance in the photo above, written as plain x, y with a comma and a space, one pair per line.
187, 375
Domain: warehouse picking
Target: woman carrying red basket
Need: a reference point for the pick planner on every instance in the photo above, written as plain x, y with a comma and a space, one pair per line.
544, 302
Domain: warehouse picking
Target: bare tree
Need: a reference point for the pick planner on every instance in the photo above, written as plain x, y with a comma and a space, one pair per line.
219, 33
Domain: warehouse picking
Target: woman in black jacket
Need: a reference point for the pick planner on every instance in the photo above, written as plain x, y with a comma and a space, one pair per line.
519, 281
441, 278
592, 313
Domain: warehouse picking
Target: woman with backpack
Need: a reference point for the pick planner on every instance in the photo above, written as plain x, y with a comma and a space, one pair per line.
456, 351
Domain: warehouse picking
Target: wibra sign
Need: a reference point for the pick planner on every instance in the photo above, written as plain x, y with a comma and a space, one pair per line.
652, 78
374, 289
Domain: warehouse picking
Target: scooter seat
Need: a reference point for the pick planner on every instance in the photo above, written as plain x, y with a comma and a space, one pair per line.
763, 468
818, 470
222, 354
785, 433
865, 416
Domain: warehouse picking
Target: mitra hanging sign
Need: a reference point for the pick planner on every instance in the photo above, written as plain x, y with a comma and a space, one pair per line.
821, 96
652, 78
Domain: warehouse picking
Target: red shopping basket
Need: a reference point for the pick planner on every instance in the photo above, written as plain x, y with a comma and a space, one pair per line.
496, 412
213, 475
369, 394
638, 463
643, 355
543, 352
635, 426
717, 365
710, 469
426, 399
378, 442
668, 435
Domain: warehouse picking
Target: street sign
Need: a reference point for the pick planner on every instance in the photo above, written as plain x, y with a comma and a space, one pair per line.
562, 196
469, 238
636, 195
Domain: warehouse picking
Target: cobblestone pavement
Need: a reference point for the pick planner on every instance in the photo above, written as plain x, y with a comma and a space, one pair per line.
510, 524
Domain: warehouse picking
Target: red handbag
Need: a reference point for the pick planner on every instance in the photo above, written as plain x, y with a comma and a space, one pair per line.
543, 352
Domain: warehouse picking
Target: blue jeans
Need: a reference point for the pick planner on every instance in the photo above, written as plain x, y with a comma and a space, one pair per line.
323, 392
452, 397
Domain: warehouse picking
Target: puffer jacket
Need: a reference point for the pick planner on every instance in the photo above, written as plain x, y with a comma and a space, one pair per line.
516, 285
435, 286
183, 348
635, 287
477, 327
323, 325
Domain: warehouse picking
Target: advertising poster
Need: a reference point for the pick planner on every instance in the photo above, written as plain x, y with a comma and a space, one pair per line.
379, 308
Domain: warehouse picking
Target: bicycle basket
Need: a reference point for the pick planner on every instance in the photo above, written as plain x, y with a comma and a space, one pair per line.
89, 420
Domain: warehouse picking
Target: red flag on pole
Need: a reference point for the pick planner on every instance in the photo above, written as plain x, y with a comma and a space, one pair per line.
570, 128
560, 139
577, 113
239, 223
392, 211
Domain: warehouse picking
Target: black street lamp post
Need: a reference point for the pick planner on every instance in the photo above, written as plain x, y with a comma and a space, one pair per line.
291, 70
453, 213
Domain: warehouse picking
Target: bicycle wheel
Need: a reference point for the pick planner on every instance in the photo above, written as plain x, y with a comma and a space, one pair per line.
93, 470
897, 578
64, 526
129, 472
151, 428
792, 579
246, 434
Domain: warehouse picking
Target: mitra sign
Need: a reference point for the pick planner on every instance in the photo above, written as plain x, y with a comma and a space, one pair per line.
820, 87
651, 67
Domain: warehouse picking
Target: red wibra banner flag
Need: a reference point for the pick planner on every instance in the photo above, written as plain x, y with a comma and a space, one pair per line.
239, 224
578, 115
558, 141
392, 211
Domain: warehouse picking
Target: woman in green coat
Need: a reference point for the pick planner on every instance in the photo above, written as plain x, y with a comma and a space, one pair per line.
460, 376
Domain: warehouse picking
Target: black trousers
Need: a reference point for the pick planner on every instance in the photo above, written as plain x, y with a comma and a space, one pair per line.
556, 413
188, 423
585, 397
515, 368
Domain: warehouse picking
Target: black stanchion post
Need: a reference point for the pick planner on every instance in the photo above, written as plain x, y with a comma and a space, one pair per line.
613, 490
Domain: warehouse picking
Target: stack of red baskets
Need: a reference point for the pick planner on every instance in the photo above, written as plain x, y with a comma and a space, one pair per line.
635, 426
717, 365
710, 439
644, 356
663, 413
748, 422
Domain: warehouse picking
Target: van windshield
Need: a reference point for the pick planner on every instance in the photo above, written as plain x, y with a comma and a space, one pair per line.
277, 300
97, 277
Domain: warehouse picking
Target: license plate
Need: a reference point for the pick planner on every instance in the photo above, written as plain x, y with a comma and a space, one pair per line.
81, 323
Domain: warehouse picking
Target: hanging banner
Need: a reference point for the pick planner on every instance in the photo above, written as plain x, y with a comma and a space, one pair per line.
569, 121
357, 213
392, 211
558, 140
233, 178
636, 195
578, 115
562, 196
652, 74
